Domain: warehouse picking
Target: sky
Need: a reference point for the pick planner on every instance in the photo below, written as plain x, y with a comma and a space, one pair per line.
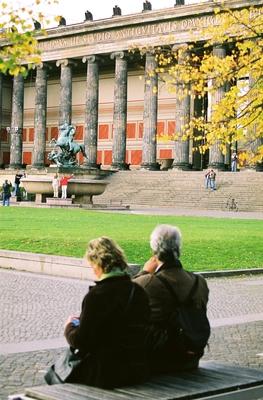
103, 8
74, 10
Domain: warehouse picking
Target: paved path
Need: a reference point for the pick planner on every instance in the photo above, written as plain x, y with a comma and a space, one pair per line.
192, 213
34, 308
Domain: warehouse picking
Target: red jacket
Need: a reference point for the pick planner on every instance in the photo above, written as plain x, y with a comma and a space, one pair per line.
64, 181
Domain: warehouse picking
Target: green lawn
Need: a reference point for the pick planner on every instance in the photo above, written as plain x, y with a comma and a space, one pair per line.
208, 243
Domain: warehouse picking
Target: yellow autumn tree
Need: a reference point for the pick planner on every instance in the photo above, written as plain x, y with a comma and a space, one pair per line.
18, 43
197, 69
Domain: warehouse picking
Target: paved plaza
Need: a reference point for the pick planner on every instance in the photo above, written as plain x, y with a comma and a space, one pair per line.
35, 307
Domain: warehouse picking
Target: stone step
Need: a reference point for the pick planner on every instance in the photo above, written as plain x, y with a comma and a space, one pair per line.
185, 190
55, 201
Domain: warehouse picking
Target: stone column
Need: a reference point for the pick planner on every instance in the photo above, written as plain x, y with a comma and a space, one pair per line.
65, 103
197, 111
120, 111
149, 142
182, 119
1, 112
16, 130
1, 103
216, 157
40, 117
91, 112
258, 141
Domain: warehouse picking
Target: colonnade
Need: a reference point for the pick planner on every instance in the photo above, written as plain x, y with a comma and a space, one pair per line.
149, 139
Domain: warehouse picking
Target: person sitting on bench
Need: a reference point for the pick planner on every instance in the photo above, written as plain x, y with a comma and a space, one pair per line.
178, 301
110, 331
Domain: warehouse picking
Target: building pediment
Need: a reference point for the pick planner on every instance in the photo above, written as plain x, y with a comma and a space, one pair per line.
172, 25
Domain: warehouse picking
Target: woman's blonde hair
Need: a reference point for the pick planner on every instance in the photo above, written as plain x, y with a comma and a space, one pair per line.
105, 253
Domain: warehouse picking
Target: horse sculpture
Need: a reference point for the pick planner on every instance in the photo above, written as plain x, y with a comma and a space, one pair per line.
65, 148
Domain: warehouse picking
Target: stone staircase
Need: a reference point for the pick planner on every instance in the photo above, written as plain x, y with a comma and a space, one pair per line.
241, 191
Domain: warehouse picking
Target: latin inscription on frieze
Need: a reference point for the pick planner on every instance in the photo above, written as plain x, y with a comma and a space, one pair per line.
162, 28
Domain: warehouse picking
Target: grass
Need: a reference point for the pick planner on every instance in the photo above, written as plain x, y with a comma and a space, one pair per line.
208, 243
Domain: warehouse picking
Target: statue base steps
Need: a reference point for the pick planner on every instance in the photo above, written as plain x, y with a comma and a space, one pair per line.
55, 201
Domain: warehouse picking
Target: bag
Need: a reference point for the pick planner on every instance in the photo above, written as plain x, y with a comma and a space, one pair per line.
63, 367
156, 338
188, 323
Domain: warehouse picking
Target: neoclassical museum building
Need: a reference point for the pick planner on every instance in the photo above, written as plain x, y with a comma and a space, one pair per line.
89, 78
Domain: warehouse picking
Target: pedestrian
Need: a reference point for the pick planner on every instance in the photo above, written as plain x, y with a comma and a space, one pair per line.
17, 183
108, 336
234, 160
173, 291
55, 185
6, 190
64, 185
207, 179
212, 179
25, 196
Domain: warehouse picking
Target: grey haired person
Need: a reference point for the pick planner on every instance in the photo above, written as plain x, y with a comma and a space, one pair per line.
165, 269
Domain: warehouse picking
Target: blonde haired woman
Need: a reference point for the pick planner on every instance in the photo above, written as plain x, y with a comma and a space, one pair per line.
110, 330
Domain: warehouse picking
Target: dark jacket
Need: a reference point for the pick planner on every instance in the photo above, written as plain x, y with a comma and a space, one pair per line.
112, 334
7, 188
17, 178
163, 304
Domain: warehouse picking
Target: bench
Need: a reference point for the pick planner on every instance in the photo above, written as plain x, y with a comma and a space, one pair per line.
210, 381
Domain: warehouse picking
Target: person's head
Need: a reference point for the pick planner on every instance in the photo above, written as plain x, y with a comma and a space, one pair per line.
71, 131
166, 242
63, 127
104, 255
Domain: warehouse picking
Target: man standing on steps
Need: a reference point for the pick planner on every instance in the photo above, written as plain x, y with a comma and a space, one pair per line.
64, 185
212, 179
234, 160
207, 179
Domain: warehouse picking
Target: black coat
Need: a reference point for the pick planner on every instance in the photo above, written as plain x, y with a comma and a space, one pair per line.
7, 188
112, 334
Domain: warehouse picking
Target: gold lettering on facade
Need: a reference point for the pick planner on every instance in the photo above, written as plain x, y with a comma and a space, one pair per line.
136, 32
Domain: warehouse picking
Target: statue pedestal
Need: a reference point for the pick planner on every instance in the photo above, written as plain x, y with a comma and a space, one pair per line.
81, 189
55, 201
39, 198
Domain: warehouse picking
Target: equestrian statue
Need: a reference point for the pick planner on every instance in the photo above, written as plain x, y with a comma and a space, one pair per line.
65, 148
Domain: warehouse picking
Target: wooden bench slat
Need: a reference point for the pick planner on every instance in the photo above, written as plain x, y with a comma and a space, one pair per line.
147, 391
255, 393
93, 392
209, 380
231, 369
75, 392
54, 392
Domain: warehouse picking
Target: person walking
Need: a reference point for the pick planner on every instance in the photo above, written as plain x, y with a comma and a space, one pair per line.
64, 185
55, 185
6, 188
234, 160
